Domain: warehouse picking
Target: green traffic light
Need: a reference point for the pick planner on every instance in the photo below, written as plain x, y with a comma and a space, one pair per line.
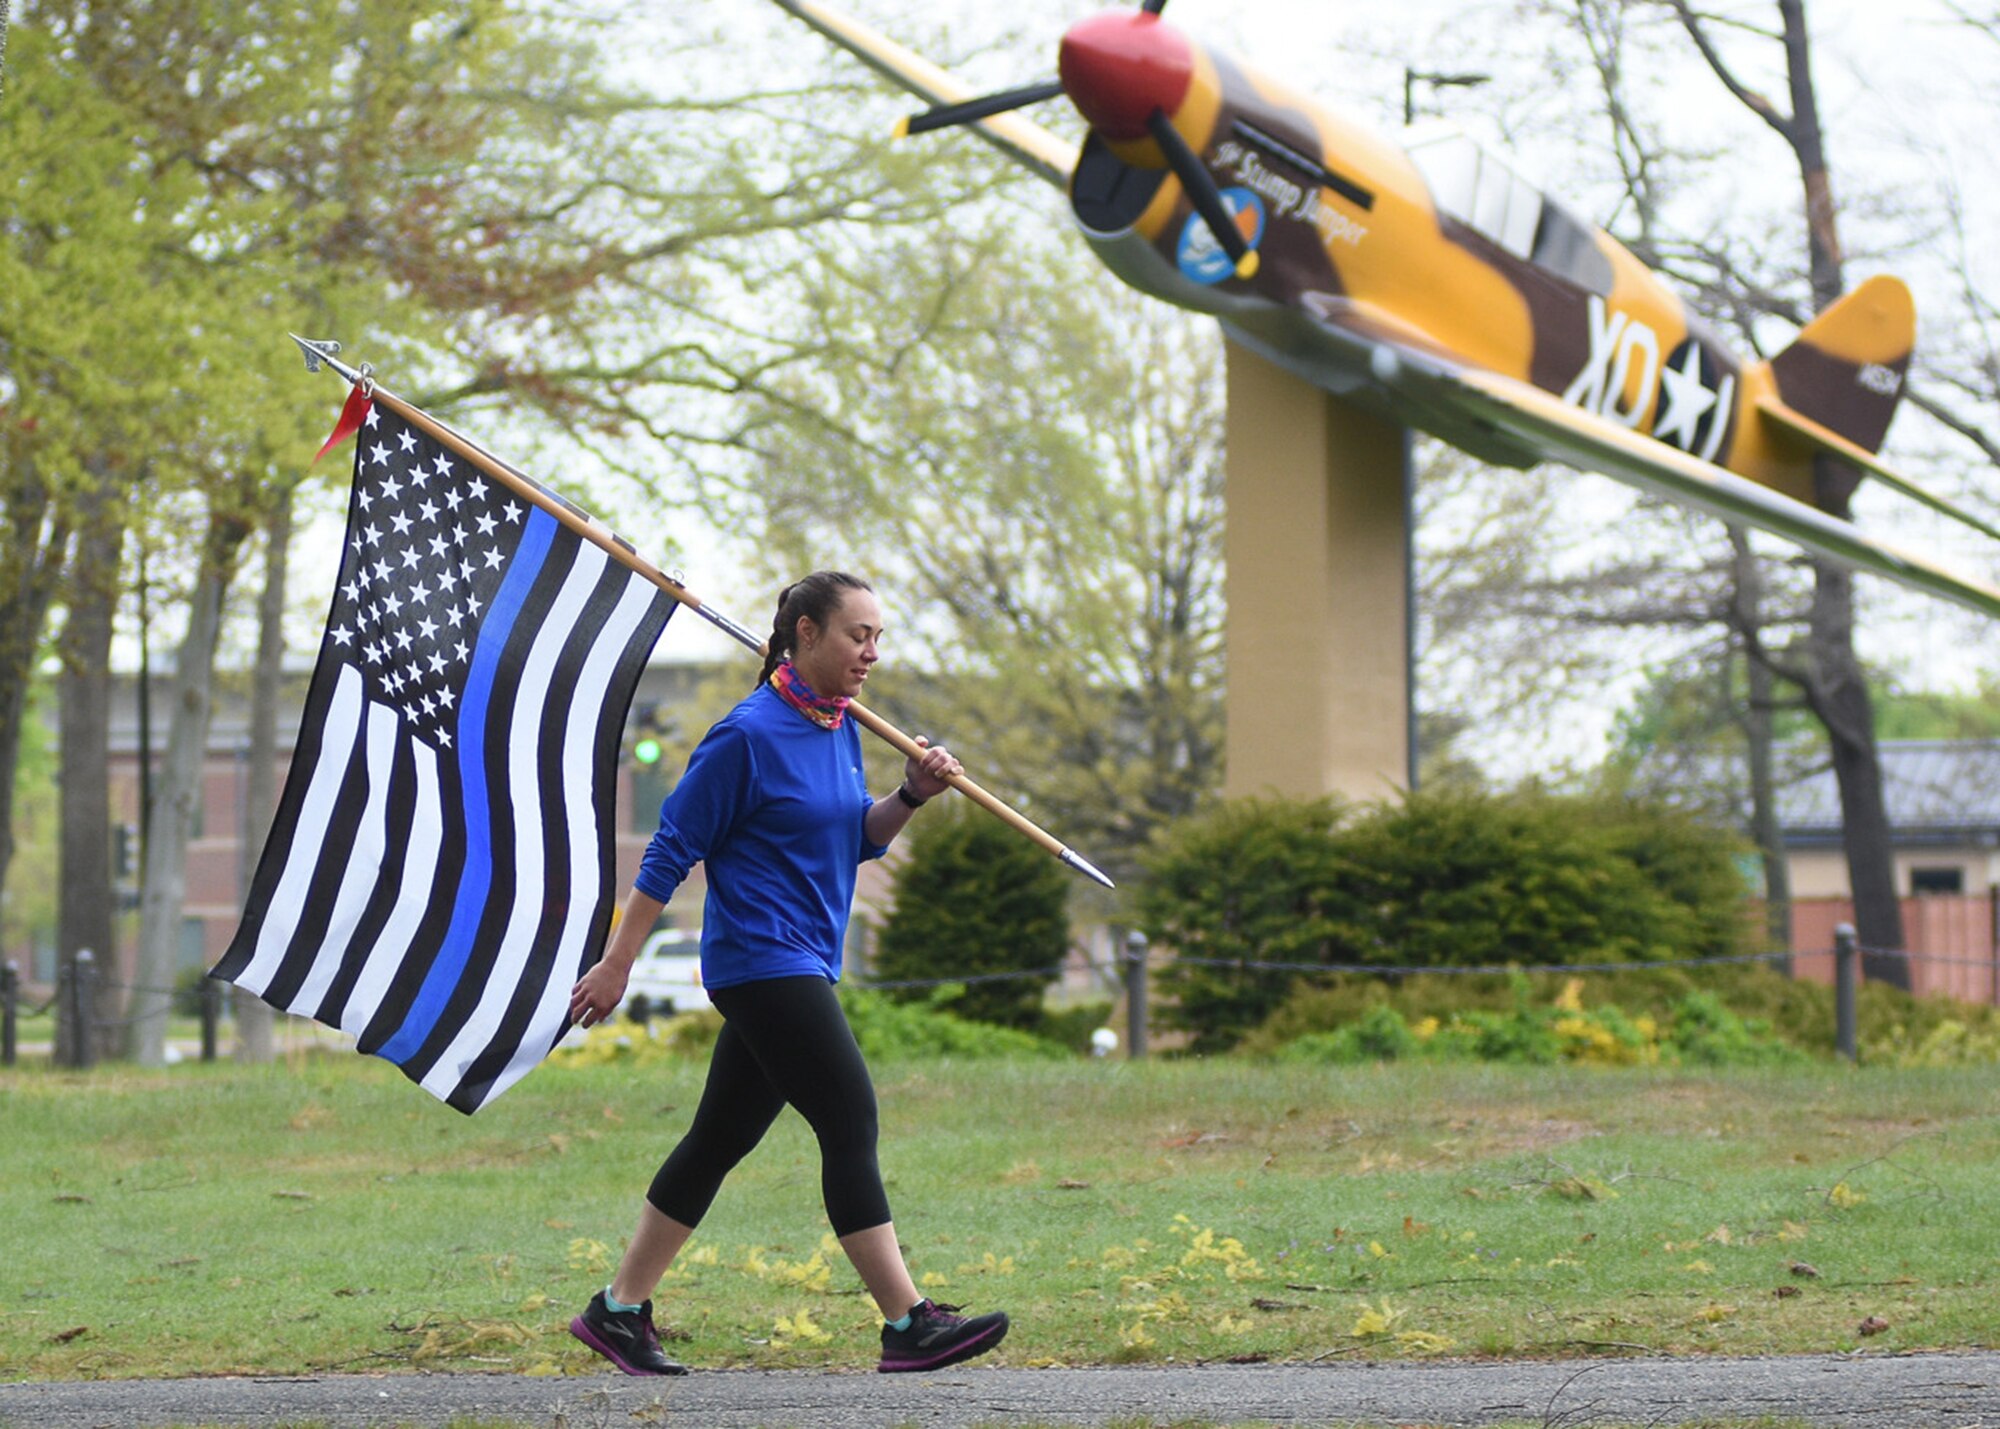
647, 751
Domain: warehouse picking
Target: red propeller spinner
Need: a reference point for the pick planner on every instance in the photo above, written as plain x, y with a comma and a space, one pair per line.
1120, 67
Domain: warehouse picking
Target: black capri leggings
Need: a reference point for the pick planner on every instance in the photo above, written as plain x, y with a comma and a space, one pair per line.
783, 1040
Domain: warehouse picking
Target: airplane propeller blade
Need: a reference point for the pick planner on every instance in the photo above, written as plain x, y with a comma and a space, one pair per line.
1202, 192
973, 110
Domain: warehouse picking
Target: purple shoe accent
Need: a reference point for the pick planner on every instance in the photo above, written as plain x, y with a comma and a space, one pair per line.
964, 1350
583, 1332
627, 1340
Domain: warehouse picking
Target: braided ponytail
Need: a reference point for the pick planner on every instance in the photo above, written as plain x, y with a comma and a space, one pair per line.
816, 597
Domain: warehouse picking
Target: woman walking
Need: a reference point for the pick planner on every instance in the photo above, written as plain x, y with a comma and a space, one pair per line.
776, 804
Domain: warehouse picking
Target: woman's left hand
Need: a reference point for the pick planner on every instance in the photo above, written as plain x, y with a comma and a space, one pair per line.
929, 774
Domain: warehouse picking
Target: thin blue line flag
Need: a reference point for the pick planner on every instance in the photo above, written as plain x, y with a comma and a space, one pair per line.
440, 869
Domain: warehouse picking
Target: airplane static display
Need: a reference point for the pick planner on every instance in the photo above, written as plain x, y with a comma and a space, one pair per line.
1430, 283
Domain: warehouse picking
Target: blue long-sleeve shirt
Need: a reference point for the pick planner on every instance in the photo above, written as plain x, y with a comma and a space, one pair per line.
774, 804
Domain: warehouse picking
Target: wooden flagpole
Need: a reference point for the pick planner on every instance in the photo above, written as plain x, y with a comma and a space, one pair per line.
598, 534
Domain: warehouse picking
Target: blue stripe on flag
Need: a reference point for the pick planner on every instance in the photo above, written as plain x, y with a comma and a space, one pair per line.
476, 880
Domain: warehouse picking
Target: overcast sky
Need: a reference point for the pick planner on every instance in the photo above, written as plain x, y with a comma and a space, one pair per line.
1904, 91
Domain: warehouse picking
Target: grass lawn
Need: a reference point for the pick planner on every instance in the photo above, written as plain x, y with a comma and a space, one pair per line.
325, 1214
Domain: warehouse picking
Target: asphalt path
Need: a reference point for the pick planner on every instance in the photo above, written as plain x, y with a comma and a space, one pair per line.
1934, 1391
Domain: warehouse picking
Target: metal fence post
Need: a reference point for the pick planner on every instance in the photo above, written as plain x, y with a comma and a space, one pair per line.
83, 1007
1844, 968
1135, 993
211, 1014
10, 1002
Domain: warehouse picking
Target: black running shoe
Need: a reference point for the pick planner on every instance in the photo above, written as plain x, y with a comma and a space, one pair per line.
625, 1337
938, 1336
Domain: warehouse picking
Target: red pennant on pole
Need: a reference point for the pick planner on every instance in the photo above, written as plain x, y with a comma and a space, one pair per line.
353, 412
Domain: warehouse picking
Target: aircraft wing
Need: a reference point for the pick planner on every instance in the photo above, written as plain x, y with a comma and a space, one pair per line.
1019, 138
1834, 444
1564, 433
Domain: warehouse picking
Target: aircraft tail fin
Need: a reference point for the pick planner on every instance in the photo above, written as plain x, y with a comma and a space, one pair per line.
1845, 370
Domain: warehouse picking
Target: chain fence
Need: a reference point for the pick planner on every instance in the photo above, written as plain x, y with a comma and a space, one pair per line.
1131, 972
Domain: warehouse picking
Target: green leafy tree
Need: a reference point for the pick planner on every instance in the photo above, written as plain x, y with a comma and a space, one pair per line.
976, 901
183, 184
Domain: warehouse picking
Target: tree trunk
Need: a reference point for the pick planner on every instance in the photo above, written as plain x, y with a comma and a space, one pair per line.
254, 1018
1760, 743
86, 904
1839, 692
177, 794
36, 536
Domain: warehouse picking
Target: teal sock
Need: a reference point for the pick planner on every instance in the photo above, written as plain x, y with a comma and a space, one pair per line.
905, 1322
617, 1306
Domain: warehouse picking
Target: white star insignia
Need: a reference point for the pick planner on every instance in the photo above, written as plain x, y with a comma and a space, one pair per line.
342, 636
1687, 400
486, 523
493, 557
409, 439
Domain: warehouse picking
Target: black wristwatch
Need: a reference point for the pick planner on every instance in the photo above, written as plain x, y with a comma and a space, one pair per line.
903, 793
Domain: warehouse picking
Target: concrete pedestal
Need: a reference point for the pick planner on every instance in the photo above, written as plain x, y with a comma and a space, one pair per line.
1318, 551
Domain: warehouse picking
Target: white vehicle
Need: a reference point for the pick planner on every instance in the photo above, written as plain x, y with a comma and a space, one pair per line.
667, 973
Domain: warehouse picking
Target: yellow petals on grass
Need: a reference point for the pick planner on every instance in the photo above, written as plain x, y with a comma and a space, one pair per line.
798, 1329
1375, 1320
989, 1264
1424, 1342
590, 1256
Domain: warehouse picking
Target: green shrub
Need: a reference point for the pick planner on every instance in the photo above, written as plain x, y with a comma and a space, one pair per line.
889, 1029
1380, 1036
884, 1029
1463, 879
1698, 1030
1445, 879
1707, 1033
1893, 1027
1254, 881
975, 900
